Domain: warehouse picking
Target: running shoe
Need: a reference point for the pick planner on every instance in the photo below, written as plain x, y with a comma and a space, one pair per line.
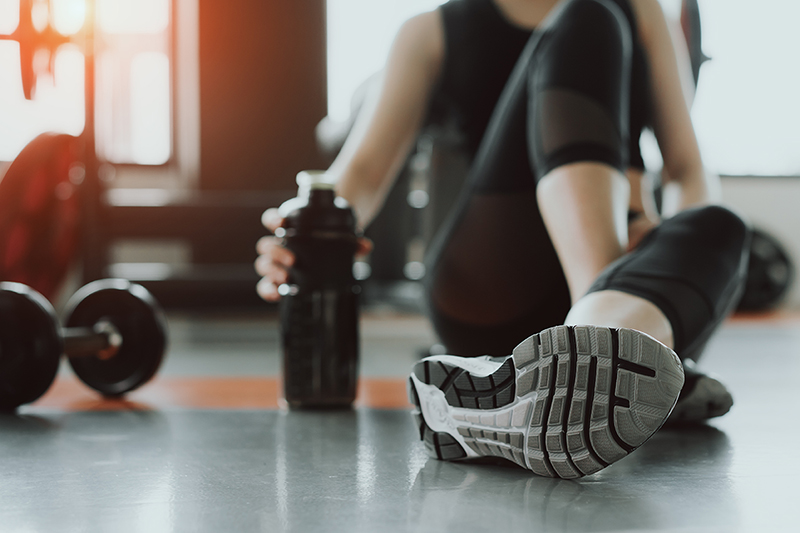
703, 397
567, 403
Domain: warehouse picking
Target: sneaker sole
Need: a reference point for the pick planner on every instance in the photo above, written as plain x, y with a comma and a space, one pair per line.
570, 401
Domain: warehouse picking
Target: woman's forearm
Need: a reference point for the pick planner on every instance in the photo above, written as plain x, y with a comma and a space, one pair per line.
391, 118
365, 195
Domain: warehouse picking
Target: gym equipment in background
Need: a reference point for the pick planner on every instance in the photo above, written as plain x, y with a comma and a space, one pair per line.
40, 213
50, 195
770, 273
115, 338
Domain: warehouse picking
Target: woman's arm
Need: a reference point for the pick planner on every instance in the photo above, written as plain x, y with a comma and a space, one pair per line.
686, 183
378, 144
390, 120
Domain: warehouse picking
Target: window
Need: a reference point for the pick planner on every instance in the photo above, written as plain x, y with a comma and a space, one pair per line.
133, 80
58, 106
747, 112
351, 25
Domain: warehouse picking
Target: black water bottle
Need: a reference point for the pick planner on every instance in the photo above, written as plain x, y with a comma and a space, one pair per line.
319, 304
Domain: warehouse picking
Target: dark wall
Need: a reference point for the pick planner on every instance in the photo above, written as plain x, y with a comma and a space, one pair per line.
262, 91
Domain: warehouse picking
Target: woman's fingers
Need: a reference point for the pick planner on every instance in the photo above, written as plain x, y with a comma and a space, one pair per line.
272, 264
269, 269
271, 219
274, 260
271, 247
268, 290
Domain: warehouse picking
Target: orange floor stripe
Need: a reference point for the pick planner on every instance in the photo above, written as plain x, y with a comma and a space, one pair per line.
781, 317
209, 393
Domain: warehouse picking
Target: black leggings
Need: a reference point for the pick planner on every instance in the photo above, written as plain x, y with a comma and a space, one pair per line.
494, 276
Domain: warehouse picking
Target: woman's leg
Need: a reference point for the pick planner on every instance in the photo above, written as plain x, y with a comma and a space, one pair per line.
578, 112
680, 282
584, 206
494, 275
692, 267
572, 399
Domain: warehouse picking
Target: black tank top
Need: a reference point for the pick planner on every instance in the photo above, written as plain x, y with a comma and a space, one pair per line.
481, 49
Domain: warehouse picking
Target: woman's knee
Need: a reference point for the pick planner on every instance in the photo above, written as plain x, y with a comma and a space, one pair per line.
601, 20
724, 227
579, 87
718, 216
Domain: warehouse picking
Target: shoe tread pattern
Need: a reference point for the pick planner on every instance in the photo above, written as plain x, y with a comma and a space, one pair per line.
597, 394
438, 444
462, 389
601, 393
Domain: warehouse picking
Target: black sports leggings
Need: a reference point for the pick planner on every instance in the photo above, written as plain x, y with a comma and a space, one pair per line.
494, 277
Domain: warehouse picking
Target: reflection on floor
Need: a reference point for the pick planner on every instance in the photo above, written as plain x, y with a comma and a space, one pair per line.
161, 463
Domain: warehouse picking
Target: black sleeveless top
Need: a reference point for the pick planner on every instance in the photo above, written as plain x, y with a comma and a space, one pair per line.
481, 49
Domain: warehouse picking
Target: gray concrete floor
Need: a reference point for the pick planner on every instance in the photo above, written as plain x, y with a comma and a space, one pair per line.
365, 471
245, 345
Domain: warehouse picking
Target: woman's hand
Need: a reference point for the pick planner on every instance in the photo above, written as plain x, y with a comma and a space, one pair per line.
274, 260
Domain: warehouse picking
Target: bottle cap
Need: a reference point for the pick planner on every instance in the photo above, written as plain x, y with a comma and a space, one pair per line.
314, 179
308, 180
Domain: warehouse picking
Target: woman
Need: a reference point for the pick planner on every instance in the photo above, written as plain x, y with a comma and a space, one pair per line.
552, 97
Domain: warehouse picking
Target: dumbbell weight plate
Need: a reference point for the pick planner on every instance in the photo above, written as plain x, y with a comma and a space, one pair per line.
769, 273
137, 317
30, 345
40, 213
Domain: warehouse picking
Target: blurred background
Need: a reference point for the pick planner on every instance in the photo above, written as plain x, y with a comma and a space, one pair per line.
204, 111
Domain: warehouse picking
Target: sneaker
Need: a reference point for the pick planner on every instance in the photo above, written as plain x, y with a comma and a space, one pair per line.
570, 401
702, 397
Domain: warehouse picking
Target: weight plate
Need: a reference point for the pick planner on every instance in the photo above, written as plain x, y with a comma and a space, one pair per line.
30, 345
40, 213
769, 273
138, 318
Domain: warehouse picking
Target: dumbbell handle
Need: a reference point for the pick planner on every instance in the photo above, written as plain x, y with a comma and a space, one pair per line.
103, 341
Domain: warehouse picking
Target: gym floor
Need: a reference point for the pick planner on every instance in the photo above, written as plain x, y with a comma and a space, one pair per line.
207, 447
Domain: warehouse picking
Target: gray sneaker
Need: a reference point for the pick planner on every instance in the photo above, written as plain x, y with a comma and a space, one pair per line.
703, 396
569, 402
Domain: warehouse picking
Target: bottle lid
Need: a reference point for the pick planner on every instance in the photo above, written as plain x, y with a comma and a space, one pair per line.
314, 179
308, 180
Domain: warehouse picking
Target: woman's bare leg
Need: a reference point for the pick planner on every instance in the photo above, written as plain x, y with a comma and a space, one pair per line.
584, 207
570, 400
622, 310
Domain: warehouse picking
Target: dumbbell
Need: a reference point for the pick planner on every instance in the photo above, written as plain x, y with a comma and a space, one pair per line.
114, 337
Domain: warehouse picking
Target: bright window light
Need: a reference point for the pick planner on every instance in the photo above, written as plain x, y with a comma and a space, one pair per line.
747, 112
150, 109
133, 80
360, 33
58, 105
133, 16
69, 15
9, 16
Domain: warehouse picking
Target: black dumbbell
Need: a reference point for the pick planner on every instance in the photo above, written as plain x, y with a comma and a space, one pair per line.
114, 335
